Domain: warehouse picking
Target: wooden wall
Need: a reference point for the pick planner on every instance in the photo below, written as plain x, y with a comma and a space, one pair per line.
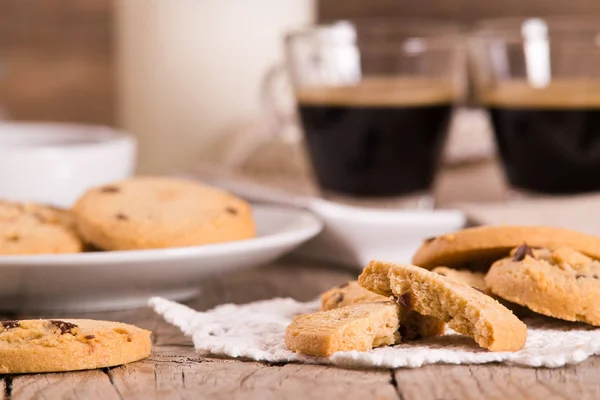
465, 11
56, 60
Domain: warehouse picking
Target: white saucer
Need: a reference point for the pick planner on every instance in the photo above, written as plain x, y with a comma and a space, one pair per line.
121, 279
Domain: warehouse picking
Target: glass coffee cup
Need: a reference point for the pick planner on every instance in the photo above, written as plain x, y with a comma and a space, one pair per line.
539, 79
374, 100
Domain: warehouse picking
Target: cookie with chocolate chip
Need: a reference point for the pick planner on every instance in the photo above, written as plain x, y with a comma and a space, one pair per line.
478, 248
413, 325
50, 345
160, 212
465, 309
28, 228
561, 283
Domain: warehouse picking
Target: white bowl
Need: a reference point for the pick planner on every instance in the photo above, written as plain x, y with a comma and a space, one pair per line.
55, 163
353, 236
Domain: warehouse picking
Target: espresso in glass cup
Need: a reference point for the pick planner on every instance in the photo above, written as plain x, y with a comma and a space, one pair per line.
374, 101
540, 81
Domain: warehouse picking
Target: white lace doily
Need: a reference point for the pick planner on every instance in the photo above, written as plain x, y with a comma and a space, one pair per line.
256, 331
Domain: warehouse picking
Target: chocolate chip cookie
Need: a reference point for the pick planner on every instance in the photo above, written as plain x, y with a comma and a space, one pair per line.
27, 228
561, 283
477, 248
154, 212
465, 309
67, 345
413, 326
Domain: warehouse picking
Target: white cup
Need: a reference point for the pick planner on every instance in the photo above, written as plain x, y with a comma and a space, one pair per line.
55, 163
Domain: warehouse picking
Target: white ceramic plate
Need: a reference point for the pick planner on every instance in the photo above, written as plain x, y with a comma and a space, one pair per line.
355, 235
120, 279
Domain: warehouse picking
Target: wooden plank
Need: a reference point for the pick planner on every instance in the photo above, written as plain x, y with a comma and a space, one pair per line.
178, 371
466, 11
494, 381
73, 385
56, 60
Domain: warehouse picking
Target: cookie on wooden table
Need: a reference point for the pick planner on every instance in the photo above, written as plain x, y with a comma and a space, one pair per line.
477, 248
465, 309
155, 212
413, 326
43, 345
27, 228
561, 283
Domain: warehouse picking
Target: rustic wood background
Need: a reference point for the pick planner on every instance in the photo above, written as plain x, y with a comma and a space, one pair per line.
56, 56
466, 11
56, 60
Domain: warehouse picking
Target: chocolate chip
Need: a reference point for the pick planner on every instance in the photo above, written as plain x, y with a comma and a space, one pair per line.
13, 238
595, 276
429, 239
402, 331
122, 217
89, 337
522, 252
9, 324
231, 210
343, 285
65, 327
110, 189
404, 300
339, 297
580, 276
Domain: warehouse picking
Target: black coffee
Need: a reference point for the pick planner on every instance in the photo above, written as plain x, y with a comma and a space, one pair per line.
549, 139
377, 138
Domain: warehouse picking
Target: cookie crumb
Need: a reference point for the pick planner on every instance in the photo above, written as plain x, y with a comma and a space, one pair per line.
522, 252
89, 337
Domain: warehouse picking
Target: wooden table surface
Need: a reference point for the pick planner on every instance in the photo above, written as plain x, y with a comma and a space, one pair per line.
174, 371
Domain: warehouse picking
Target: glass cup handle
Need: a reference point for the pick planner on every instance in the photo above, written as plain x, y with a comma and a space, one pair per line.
279, 105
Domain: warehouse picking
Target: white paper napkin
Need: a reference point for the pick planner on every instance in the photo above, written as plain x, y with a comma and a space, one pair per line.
256, 331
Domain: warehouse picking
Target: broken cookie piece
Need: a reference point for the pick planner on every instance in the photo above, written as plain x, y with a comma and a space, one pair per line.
465, 309
358, 327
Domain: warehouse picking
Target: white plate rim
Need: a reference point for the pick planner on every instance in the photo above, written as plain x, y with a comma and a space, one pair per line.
313, 226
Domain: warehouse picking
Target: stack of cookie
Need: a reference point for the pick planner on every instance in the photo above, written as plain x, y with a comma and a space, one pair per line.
474, 280
135, 214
